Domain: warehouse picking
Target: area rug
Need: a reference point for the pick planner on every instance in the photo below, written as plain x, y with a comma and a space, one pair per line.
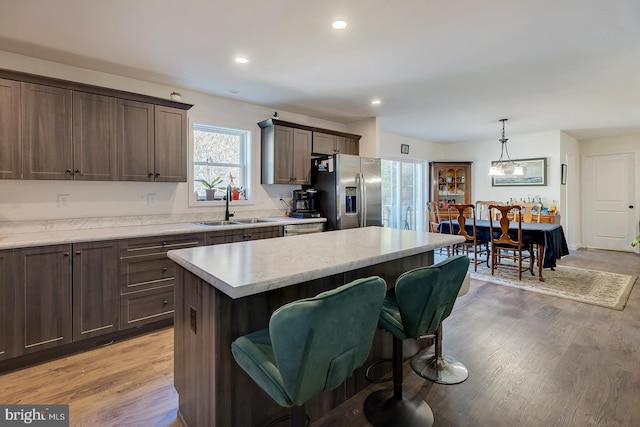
610, 290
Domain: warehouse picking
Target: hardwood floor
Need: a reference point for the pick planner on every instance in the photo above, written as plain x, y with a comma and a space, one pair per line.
534, 360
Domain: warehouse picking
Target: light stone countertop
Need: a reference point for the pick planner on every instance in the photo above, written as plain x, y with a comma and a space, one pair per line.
247, 268
54, 237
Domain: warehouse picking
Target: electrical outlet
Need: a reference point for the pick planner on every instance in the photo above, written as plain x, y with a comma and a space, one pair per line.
64, 200
152, 199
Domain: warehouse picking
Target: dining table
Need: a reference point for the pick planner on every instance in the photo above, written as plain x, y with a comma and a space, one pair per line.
550, 238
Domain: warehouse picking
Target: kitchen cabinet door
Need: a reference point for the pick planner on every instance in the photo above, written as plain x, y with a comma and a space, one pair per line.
135, 140
10, 148
170, 155
43, 297
301, 157
94, 137
324, 143
347, 146
96, 294
46, 132
7, 306
286, 154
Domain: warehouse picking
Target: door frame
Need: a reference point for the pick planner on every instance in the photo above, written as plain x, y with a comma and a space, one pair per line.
633, 194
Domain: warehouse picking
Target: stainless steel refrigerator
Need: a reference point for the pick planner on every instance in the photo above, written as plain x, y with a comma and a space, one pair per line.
349, 191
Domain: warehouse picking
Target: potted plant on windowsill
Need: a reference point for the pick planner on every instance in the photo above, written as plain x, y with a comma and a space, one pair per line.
210, 186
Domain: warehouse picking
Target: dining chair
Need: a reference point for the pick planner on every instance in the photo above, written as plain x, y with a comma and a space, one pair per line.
482, 208
460, 214
504, 246
434, 217
531, 212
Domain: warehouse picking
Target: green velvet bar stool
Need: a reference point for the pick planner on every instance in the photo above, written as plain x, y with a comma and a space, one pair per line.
432, 364
312, 345
414, 307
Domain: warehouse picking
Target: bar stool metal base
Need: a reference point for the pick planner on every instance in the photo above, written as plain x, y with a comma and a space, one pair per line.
383, 410
441, 370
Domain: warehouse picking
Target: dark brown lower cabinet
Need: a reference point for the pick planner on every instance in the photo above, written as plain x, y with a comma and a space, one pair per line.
95, 289
242, 235
7, 306
43, 297
147, 277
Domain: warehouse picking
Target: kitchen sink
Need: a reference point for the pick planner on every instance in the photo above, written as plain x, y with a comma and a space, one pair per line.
236, 222
218, 223
251, 221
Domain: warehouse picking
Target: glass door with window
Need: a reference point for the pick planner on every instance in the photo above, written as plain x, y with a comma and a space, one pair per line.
403, 194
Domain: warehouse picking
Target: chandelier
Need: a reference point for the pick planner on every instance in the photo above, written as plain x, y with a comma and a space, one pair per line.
499, 167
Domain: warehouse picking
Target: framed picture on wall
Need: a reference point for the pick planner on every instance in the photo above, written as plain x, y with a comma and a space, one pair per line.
535, 173
404, 148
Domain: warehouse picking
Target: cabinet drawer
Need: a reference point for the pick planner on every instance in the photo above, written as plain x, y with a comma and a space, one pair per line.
138, 308
154, 245
146, 271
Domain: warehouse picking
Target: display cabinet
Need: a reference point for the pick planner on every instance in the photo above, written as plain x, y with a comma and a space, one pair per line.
450, 183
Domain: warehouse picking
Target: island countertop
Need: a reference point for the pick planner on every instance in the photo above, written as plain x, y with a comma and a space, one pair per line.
252, 267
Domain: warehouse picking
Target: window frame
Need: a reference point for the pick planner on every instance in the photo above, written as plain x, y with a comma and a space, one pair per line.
244, 179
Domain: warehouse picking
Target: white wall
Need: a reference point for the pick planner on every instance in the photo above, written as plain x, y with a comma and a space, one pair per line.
482, 153
369, 129
37, 200
418, 149
570, 194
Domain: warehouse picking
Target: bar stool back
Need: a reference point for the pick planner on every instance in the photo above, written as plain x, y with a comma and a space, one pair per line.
312, 345
421, 298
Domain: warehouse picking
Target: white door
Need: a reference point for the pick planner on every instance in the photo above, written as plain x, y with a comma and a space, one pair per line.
608, 196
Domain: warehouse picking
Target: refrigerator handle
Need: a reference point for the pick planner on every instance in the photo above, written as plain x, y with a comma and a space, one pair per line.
363, 209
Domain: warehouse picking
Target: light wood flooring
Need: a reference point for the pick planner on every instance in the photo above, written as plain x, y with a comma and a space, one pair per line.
534, 360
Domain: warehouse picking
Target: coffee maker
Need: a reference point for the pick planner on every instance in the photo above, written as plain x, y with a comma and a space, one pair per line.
304, 204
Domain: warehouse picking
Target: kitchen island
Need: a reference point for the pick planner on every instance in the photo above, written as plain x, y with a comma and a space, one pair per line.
225, 291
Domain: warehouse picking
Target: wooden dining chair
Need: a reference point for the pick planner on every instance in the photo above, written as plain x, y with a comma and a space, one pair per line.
482, 208
460, 214
531, 212
434, 217
506, 251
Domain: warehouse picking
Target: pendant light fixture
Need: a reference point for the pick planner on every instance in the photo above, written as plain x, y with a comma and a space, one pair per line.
500, 165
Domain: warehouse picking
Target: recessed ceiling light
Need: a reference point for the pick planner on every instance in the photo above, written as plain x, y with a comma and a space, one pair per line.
339, 25
241, 60
376, 102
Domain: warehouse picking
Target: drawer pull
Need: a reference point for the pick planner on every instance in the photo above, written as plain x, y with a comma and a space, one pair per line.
165, 302
164, 269
78, 252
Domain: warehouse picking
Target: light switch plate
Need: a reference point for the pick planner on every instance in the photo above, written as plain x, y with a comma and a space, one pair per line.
152, 199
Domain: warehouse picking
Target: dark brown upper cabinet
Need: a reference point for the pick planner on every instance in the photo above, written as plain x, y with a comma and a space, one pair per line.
10, 153
94, 137
326, 143
135, 141
46, 132
152, 143
170, 156
286, 155
58, 129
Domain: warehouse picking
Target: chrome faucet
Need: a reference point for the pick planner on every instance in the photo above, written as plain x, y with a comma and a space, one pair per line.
227, 215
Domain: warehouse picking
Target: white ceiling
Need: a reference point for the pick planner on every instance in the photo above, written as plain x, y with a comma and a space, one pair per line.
444, 70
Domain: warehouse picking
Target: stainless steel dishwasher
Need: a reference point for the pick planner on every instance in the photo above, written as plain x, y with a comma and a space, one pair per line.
297, 229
